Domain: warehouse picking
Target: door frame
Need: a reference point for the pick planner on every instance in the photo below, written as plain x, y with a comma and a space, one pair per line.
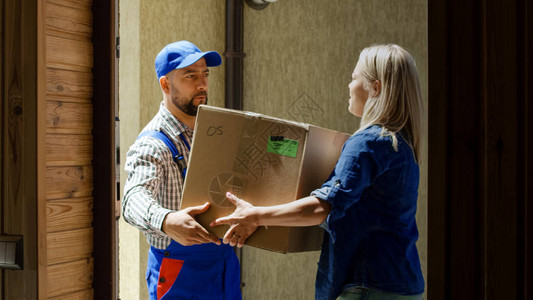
105, 107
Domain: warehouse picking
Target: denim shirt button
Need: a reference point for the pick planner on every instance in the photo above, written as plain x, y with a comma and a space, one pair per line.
337, 183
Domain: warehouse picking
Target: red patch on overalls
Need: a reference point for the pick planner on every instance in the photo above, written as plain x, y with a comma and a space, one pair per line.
168, 272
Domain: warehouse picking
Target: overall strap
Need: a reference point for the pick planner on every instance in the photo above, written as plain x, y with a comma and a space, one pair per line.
178, 158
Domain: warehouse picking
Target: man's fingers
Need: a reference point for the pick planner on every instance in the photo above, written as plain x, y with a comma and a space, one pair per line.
196, 210
215, 239
210, 238
201, 238
207, 237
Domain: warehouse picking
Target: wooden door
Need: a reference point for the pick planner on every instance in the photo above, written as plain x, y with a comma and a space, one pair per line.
67, 66
480, 134
51, 148
78, 64
18, 214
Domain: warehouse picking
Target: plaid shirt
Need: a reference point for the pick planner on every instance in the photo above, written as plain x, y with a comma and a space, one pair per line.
154, 185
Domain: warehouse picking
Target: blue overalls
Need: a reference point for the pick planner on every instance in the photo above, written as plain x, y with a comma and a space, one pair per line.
205, 271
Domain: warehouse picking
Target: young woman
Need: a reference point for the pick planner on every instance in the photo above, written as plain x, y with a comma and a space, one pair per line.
368, 204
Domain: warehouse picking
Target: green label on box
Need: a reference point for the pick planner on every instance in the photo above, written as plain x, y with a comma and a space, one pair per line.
282, 146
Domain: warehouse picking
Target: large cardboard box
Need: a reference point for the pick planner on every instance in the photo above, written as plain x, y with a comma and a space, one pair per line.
264, 160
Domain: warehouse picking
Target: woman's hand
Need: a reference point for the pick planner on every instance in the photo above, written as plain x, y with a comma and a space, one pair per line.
243, 221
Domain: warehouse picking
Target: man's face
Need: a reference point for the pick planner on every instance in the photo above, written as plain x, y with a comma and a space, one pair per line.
188, 87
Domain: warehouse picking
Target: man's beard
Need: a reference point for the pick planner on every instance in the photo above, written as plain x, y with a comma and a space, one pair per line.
188, 107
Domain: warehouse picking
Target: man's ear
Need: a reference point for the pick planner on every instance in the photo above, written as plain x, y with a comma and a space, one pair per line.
164, 84
376, 85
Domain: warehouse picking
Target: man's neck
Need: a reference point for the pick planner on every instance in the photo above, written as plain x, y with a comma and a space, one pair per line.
184, 118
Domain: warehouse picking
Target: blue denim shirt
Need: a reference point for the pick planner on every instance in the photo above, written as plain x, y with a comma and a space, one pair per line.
372, 229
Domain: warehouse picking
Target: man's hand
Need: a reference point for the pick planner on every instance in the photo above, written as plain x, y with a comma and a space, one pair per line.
243, 222
183, 228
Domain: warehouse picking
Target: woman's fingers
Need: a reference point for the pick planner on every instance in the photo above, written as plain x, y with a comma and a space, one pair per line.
232, 198
229, 235
234, 237
237, 240
233, 241
227, 220
240, 242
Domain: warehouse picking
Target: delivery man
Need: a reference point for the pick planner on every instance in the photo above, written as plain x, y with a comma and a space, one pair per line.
185, 260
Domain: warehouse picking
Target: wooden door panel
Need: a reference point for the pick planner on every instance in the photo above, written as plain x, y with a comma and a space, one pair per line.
69, 54
18, 161
67, 278
69, 214
71, 245
69, 118
81, 295
69, 85
69, 150
69, 182
68, 22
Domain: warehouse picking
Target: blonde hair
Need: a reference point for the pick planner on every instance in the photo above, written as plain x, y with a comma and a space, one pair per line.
398, 106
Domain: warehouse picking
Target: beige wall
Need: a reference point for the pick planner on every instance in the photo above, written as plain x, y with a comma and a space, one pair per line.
299, 59
130, 239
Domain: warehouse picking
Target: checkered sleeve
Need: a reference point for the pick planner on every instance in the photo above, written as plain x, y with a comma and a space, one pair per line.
145, 164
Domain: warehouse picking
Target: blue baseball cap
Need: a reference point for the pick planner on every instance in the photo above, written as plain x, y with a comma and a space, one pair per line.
181, 54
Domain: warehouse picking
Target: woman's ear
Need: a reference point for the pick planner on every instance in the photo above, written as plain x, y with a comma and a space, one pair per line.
376, 86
